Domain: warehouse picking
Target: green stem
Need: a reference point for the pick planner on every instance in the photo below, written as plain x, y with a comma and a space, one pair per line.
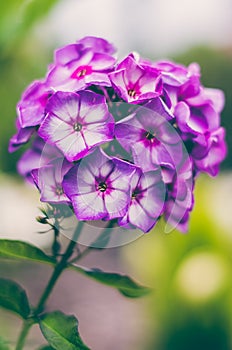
60, 267
22, 337
81, 255
102, 239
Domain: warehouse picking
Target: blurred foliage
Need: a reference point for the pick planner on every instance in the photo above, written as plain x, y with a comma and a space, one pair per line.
191, 275
17, 17
19, 63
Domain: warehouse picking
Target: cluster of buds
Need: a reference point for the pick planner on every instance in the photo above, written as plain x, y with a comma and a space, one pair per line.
120, 141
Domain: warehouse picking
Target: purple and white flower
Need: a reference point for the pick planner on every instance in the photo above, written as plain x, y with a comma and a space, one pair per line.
49, 180
177, 75
215, 150
99, 187
151, 139
167, 132
196, 116
147, 201
135, 83
22, 136
39, 155
97, 44
77, 122
31, 107
78, 66
30, 113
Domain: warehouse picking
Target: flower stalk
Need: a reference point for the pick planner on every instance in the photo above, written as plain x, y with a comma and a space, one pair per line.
59, 268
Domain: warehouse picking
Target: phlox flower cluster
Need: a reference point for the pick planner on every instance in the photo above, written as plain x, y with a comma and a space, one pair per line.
120, 141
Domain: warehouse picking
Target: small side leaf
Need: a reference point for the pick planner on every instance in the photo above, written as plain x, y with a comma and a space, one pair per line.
61, 331
125, 285
21, 250
14, 298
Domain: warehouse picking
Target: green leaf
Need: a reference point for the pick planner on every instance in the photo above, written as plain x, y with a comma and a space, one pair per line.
124, 284
21, 250
61, 331
14, 298
45, 347
3, 344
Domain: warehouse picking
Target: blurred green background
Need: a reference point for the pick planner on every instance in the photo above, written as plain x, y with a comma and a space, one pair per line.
191, 306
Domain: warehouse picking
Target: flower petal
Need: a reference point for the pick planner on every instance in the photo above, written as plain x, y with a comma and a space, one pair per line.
65, 106
139, 218
88, 206
116, 203
96, 134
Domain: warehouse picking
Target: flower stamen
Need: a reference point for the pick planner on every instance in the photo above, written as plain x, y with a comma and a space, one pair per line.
134, 195
59, 191
149, 136
131, 93
77, 127
82, 73
152, 138
102, 186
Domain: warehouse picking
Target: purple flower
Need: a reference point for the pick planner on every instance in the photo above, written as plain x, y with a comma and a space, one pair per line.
197, 115
22, 136
77, 122
135, 83
152, 140
198, 119
215, 96
31, 107
147, 201
179, 82
99, 187
31, 112
174, 74
214, 148
39, 155
49, 180
167, 132
77, 67
97, 44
